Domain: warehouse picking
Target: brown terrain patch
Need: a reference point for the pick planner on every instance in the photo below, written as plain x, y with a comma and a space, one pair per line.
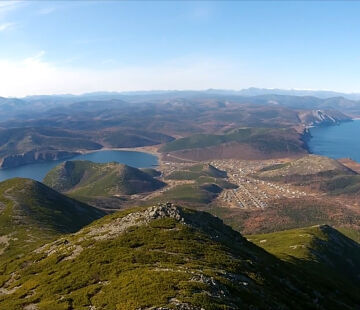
285, 214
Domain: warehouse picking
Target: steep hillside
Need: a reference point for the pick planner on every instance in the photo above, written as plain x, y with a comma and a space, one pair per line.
31, 212
163, 257
318, 245
88, 179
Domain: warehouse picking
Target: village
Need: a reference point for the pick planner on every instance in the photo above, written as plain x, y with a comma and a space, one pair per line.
251, 192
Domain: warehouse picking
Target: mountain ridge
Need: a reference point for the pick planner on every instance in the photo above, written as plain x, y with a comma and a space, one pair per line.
163, 257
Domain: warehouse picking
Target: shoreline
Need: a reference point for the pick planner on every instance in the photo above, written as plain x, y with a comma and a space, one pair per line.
303, 130
306, 136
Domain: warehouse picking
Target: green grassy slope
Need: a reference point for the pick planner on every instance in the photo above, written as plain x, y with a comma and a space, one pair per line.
88, 179
163, 256
318, 247
31, 212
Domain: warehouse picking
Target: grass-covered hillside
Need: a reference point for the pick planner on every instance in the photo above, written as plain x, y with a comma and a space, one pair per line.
89, 179
318, 247
31, 212
245, 143
163, 256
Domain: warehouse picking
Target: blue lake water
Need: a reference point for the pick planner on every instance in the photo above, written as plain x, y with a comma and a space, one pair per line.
39, 170
337, 141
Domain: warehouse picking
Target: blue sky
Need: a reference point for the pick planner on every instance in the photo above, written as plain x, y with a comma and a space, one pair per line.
78, 46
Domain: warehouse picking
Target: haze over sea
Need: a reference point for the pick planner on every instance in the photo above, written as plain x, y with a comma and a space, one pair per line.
342, 141
38, 171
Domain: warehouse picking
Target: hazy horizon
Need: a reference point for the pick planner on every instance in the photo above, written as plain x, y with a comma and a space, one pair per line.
275, 91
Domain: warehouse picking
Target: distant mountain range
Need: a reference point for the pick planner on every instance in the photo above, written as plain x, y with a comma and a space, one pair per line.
296, 99
324, 94
252, 91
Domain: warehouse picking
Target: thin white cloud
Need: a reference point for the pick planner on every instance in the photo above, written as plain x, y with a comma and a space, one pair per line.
6, 26
7, 6
46, 11
36, 58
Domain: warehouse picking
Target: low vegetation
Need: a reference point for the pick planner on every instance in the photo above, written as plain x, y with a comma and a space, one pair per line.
318, 245
32, 213
163, 256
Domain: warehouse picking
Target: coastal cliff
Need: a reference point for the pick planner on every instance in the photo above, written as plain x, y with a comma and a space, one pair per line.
322, 117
